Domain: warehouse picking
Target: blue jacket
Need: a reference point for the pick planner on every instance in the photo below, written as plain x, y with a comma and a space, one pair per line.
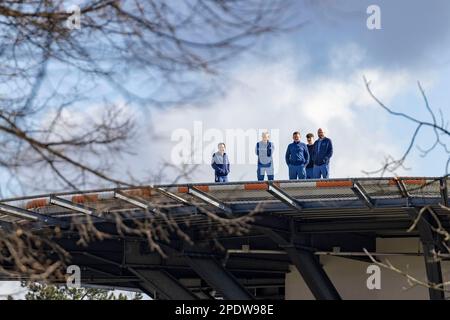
311, 156
220, 164
323, 155
297, 154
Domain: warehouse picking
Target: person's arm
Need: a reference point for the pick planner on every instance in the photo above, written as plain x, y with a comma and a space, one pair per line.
288, 154
329, 151
256, 149
306, 155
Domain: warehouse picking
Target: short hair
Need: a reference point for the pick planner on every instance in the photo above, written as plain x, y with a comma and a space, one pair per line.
309, 135
221, 143
296, 132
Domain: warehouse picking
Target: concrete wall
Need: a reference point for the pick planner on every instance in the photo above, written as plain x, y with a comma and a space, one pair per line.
350, 277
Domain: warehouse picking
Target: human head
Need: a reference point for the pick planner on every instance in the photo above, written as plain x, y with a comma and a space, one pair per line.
296, 136
321, 133
310, 138
265, 136
221, 147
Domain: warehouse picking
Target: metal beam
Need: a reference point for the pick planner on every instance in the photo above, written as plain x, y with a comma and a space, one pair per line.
444, 191
209, 200
173, 196
339, 205
309, 267
176, 260
63, 203
136, 202
359, 191
284, 197
154, 278
280, 224
402, 188
99, 258
313, 274
166, 286
29, 215
429, 242
149, 210
219, 278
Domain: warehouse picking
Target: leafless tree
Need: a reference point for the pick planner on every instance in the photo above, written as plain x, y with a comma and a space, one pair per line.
169, 50
438, 125
157, 47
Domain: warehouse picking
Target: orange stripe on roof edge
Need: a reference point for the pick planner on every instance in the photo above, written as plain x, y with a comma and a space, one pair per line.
256, 186
186, 189
85, 198
202, 188
408, 181
140, 192
36, 203
331, 184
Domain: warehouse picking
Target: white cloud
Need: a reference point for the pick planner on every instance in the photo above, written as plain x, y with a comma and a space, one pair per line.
280, 96
346, 56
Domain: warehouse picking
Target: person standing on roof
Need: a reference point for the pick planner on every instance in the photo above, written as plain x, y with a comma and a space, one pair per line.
310, 166
297, 158
220, 164
264, 150
323, 150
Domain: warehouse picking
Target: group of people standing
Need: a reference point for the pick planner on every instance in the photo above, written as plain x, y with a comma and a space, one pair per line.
305, 161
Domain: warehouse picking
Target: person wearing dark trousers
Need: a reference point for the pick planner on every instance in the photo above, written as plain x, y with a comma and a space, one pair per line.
310, 166
297, 158
323, 150
220, 164
264, 150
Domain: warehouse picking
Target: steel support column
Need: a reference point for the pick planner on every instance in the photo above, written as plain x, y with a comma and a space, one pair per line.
166, 286
210, 270
429, 242
309, 267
